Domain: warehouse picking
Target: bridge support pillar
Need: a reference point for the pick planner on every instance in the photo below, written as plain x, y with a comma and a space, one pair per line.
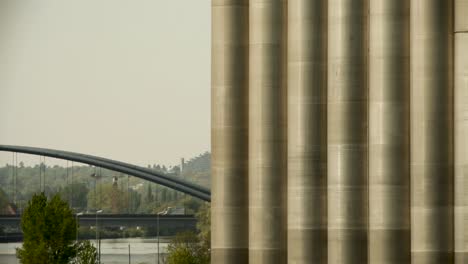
229, 206
431, 132
461, 130
267, 132
347, 131
307, 131
389, 95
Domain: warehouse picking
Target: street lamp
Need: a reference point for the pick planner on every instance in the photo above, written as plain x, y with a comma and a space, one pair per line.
157, 230
76, 218
97, 236
96, 177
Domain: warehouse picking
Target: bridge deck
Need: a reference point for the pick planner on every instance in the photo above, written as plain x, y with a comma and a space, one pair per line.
173, 221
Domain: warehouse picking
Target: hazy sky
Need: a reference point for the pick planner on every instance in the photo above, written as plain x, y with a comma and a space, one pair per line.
124, 79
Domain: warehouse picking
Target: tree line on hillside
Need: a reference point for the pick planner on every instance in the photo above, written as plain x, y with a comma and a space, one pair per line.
111, 191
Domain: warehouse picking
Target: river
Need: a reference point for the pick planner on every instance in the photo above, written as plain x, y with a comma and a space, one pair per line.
143, 250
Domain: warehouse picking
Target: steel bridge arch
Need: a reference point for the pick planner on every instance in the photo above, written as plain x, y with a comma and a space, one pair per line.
129, 169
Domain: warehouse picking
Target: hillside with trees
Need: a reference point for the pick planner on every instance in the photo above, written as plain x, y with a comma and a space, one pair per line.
110, 191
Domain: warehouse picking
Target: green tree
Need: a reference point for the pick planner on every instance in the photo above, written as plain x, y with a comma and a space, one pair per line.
3, 201
191, 248
135, 201
164, 195
109, 198
204, 225
78, 193
49, 229
87, 253
186, 248
149, 195
116, 202
191, 204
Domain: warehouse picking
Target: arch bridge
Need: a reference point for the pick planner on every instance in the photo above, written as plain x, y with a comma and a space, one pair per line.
184, 186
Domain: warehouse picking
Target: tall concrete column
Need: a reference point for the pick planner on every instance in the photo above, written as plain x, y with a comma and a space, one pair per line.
229, 126
461, 131
307, 131
267, 132
389, 163
431, 132
347, 131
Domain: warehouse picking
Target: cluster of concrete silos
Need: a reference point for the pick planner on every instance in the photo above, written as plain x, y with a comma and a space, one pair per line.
339, 131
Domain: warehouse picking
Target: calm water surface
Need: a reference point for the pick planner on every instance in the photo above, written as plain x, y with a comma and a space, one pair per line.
143, 250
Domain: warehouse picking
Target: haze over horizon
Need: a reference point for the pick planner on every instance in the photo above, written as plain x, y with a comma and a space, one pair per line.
127, 80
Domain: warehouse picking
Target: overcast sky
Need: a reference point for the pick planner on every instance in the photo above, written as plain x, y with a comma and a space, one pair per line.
123, 79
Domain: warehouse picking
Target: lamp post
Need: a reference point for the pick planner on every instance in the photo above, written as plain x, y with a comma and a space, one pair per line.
96, 177
77, 226
98, 244
157, 230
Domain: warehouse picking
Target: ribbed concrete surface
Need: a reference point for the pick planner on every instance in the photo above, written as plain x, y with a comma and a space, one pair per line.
431, 132
461, 131
351, 163
461, 16
229, 99
347, 131
461, 148
267, 132
307, 131
389, 91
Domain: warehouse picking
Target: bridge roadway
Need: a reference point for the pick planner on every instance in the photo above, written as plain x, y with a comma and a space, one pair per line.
179, 222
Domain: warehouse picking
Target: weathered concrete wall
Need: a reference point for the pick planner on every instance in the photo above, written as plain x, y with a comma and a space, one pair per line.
267, 132
307, 131
229, 132
347, 131
389, 95
431, 132
461, 131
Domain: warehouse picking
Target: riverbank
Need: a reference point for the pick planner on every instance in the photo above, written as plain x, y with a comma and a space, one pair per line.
142, 250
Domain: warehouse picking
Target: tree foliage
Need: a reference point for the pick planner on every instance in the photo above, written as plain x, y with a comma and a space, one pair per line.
3, 201
87, 253
186, 248
77, 193
204, 224
110, 198
149, 195
192, 248
49, 229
